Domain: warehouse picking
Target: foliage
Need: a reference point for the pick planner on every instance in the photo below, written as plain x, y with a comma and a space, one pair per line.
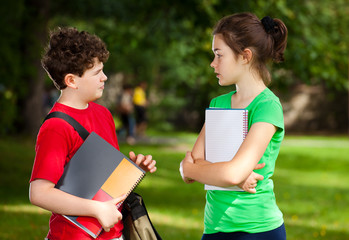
168, 44
310, 186
10, 64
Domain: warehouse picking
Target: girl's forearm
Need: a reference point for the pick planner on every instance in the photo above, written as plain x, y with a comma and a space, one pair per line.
222, 174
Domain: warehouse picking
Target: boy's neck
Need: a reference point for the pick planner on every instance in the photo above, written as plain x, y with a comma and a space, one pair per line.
72, 102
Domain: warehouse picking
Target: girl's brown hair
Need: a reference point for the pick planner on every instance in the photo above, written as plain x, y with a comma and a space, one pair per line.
267, 39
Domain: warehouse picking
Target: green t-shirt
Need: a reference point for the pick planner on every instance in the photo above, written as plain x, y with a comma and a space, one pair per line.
229, 211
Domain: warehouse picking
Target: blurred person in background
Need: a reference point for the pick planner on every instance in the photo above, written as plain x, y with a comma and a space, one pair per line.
140, 102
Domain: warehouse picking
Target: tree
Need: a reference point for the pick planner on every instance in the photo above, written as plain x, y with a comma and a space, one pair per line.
168, 44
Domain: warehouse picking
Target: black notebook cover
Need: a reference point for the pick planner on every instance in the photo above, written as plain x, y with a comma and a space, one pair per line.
98, 171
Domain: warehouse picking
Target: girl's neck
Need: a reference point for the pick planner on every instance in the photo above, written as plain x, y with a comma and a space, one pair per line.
246, 91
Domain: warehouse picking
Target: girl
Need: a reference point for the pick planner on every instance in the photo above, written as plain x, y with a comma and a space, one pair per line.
243, 45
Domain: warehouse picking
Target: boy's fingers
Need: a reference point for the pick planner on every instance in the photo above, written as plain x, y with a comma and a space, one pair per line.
119, 199
147, 160
139, 159
132, 155
152, 164
153, 170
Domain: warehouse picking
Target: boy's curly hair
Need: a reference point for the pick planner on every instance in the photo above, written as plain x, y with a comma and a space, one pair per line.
71, 51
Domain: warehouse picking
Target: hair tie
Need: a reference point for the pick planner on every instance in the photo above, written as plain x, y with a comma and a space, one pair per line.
269, 24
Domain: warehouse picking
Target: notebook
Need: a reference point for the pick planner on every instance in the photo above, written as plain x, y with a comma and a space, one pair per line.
100, 172
225, 130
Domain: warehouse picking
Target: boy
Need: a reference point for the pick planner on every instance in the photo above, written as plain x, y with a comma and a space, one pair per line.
74, 61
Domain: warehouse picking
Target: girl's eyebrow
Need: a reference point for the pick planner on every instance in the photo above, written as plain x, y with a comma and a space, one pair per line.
216, 49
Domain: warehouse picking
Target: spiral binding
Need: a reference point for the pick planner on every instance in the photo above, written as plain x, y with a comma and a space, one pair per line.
245, 124
132, 188
136, 184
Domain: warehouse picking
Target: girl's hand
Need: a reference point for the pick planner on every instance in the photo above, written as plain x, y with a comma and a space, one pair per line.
250, 184
107, 212
145, 162
187, 159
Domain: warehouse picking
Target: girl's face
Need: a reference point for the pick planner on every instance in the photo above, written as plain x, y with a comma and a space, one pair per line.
226, 64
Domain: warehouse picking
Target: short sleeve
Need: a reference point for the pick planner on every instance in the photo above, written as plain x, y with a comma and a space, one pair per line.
222, 101
213, 103
54, 148
51, 152
269, 111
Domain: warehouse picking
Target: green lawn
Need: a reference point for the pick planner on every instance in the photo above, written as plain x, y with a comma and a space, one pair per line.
311, 185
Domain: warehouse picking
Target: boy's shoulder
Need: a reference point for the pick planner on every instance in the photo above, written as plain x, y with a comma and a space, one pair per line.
93, 111
92, 106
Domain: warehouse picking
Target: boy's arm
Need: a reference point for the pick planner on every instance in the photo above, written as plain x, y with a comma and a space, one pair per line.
43, 193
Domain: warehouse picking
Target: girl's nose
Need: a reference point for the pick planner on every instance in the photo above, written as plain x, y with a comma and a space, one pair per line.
213, 65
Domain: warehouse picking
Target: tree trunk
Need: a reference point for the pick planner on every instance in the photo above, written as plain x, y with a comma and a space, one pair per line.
35, 35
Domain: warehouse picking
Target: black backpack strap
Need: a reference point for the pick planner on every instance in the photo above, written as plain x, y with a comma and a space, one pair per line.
75, 124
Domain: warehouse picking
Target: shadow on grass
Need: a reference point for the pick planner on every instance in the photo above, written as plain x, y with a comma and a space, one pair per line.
23, 225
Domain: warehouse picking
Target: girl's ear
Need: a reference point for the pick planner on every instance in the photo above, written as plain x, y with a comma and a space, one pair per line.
70, 81
247, 55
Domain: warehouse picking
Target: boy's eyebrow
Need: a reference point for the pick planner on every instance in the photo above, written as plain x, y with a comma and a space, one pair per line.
99, 69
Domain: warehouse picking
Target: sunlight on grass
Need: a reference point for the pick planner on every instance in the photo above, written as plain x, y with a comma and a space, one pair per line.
317, 142
161, 183
176, 219
311, 188
322, 229
315, 179
23, 208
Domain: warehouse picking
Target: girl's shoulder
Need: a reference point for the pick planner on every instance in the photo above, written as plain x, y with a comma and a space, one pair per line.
222, 101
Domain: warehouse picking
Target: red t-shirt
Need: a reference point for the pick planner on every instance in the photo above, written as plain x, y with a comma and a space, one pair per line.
56, 143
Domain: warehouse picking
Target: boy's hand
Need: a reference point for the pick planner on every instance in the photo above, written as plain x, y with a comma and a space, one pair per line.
108, 214
145, 162
250, 184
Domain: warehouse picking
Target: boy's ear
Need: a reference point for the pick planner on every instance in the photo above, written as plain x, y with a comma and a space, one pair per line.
247, 55
70, 81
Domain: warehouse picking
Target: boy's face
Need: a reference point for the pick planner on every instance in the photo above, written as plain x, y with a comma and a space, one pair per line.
91, 84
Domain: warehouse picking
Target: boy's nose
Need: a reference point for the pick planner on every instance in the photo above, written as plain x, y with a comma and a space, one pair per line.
104, 77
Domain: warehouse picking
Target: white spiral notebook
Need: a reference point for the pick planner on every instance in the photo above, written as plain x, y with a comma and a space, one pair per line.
225, 130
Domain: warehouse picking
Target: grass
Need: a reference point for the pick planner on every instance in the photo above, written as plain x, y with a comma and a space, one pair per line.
311, 186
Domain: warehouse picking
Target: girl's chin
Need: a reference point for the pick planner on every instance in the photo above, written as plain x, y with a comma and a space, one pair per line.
222, 83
